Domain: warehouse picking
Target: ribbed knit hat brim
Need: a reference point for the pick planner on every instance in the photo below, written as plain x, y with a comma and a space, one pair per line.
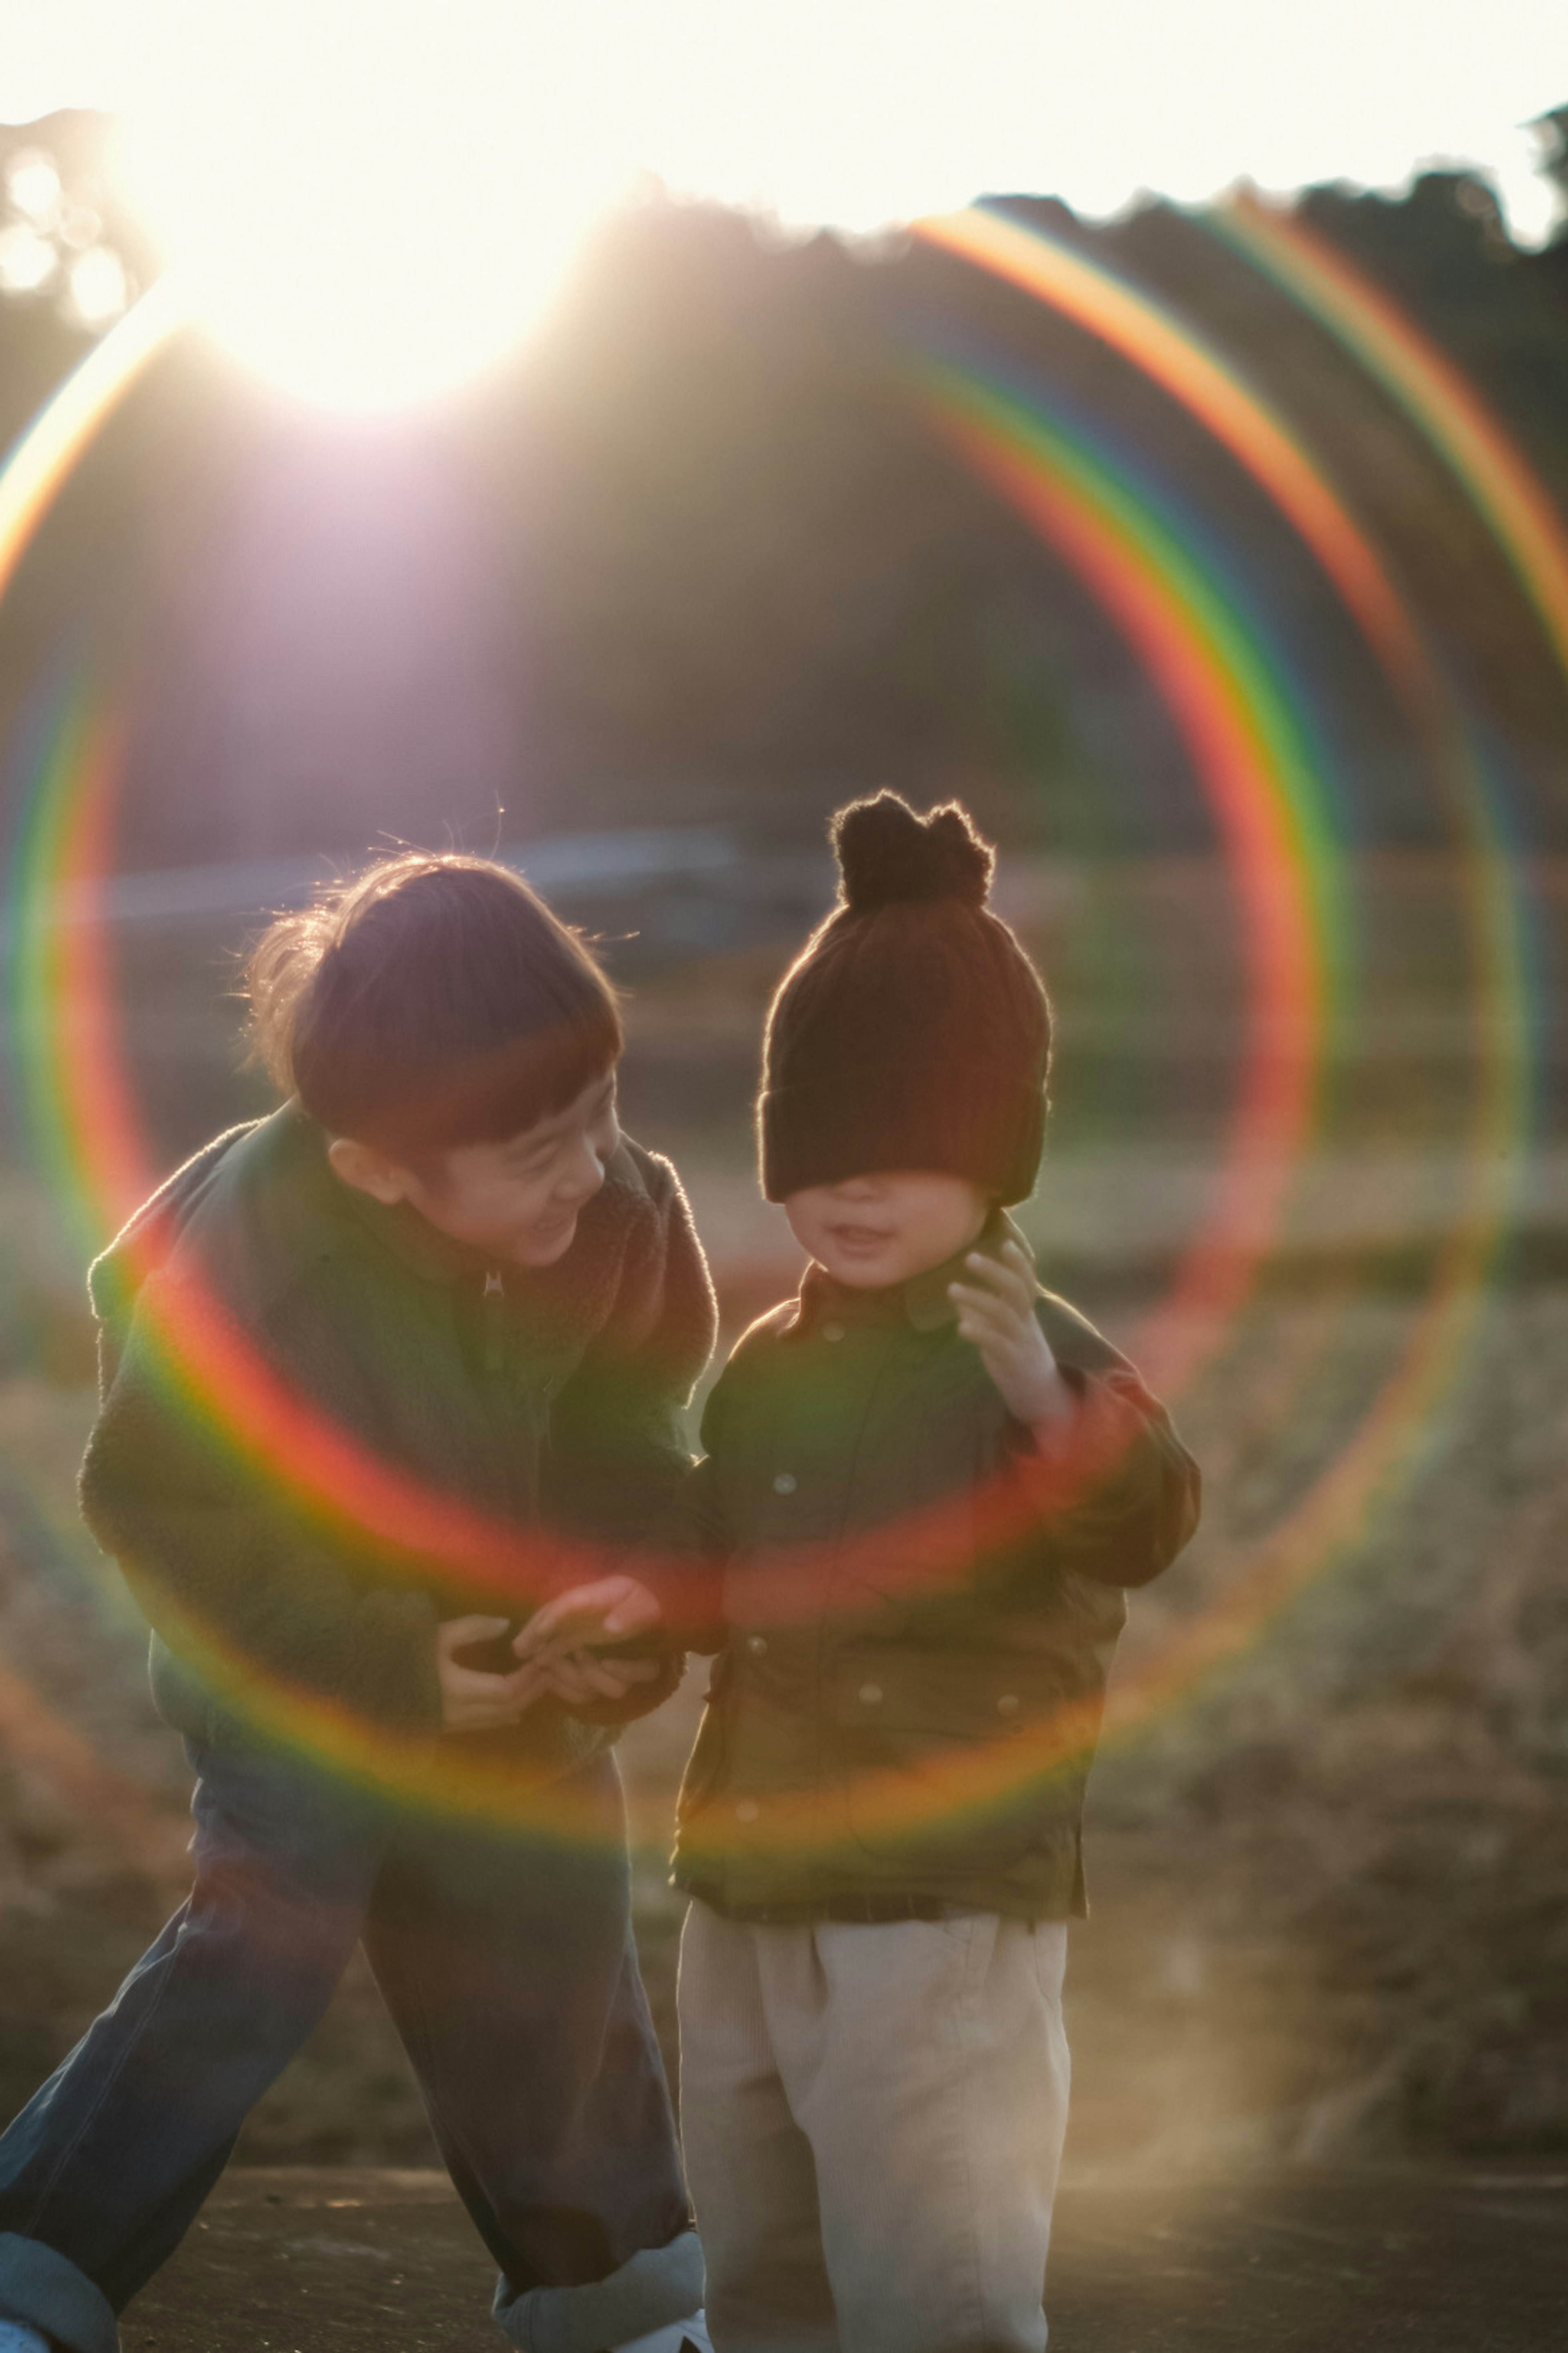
974, 1121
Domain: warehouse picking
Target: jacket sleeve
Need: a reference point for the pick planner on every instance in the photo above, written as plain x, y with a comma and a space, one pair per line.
704, 1543
232, 1582
688, 1571
620, 1452
619, 1445
1116, 1493
707, 1534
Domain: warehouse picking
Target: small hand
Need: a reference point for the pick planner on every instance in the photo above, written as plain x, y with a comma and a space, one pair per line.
996, 1310
472, 1701
607, 1612
577, 1678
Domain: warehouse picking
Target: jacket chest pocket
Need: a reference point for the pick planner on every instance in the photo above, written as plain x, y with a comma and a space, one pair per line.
950, 1760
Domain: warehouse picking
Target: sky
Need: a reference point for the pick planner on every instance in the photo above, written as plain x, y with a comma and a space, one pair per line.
269, 143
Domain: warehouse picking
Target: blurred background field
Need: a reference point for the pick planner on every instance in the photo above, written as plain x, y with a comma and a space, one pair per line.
1328, 1872
639, 612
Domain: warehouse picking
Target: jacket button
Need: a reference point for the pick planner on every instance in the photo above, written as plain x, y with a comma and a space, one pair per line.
747, 1810
833, 1330
756, 1644
785, 1484
1008, 1703
870, 1695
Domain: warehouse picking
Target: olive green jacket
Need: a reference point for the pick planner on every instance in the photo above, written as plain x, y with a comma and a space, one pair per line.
914, 1606
548, 1403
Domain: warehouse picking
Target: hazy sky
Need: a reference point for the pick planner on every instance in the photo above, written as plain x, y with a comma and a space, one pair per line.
860, 114
369, 198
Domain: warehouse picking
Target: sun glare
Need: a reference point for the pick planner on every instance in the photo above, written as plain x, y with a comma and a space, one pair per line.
365, 217
370, 200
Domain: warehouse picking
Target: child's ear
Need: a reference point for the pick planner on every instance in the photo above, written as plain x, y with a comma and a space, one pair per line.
367, 1170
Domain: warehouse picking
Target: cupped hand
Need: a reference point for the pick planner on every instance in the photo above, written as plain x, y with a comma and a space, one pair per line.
577, 1678
472, 1701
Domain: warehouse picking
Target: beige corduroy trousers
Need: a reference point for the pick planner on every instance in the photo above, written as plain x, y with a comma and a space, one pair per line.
873, 2120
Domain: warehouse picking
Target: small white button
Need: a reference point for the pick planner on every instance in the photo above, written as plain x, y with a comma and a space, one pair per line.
785, 1484
833, 1330
1008, 1703
747, 1810
870, 1695
756, 1644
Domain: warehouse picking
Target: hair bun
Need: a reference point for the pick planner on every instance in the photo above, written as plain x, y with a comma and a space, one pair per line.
886, 852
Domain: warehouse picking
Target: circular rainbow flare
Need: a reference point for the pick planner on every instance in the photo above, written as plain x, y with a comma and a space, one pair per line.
1249, 734
1231, 700
1246, 734
1439, 401
88, 1136
40, 461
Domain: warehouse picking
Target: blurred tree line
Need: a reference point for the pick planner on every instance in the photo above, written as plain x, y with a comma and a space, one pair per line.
696, 555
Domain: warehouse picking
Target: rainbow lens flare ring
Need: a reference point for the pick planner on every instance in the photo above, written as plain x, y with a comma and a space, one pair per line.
1232, 702
1061, 488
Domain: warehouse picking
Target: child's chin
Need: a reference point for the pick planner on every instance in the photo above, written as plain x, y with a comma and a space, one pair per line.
870, 1273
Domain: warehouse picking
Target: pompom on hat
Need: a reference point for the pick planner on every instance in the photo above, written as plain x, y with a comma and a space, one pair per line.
913, 1031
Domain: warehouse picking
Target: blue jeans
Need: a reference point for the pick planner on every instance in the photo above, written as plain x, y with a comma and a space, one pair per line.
509, 1968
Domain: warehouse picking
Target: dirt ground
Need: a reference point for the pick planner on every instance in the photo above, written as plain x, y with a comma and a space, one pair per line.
315, 2261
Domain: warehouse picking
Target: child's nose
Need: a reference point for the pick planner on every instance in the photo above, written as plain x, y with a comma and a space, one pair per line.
584, 1173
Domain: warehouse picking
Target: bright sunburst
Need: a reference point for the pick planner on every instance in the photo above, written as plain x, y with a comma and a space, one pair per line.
370, 199
370, 205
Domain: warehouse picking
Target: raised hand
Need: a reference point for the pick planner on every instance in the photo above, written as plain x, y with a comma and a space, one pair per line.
995, 1306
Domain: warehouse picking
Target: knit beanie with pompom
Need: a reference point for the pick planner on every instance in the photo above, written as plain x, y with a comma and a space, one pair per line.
913, 1031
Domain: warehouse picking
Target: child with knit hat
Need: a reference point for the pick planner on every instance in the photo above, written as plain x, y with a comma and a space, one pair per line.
926, 1484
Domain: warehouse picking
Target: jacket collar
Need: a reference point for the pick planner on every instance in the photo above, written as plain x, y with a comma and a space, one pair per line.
425, 1251
922, 1302
259, 1206
413, 1240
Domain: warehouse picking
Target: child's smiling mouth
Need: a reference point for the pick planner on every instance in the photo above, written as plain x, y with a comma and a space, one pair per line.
553, 1233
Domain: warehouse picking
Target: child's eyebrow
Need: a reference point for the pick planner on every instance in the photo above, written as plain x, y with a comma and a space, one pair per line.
551, 1131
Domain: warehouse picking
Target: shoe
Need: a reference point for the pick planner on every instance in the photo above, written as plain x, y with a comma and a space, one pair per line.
689, 2335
